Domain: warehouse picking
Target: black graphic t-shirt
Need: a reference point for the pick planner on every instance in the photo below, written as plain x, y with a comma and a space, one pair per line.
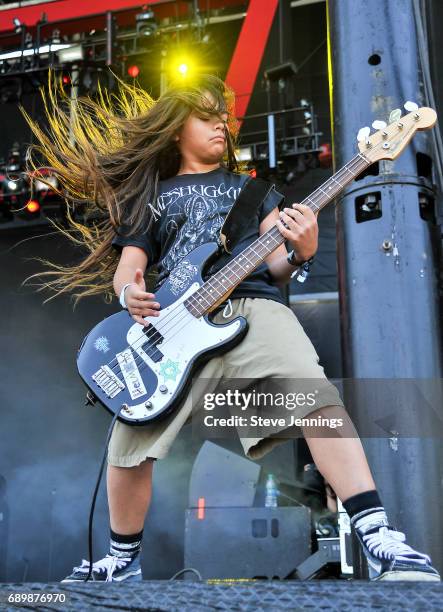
190, 210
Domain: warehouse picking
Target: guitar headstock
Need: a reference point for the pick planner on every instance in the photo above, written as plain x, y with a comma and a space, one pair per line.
390, 140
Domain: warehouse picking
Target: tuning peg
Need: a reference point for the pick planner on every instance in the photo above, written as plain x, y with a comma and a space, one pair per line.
395, 115
363, 134
411, 106
379, 125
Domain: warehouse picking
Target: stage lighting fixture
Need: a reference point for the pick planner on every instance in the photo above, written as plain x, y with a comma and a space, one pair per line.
182, 66
73, 53
55, 37
146, 24
28, 41
133, 71
244, 154
50, 182
32, 206
325, 155
17, 25
282, 71
14, 187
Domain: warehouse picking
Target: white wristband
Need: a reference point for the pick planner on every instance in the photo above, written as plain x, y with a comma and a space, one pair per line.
122, 296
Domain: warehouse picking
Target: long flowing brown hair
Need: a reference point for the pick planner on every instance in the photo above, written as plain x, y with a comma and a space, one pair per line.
108, 154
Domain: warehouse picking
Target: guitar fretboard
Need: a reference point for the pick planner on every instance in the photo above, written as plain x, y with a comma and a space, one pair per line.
231, 275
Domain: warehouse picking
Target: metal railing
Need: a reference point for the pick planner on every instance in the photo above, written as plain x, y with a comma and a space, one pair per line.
285, 133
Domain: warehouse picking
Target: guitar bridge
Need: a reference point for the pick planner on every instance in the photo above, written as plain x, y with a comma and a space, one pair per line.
107, 380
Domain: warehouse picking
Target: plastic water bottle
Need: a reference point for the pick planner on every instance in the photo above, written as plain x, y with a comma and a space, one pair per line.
271, 492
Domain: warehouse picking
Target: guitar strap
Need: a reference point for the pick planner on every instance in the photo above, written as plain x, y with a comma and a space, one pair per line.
242, 212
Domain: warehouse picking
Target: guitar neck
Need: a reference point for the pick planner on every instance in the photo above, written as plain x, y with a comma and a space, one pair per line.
227, 278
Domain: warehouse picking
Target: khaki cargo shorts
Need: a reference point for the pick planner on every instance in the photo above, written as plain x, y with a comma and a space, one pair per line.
275, 346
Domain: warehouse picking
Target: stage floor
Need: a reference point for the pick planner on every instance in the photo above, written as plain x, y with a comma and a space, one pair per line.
248, 595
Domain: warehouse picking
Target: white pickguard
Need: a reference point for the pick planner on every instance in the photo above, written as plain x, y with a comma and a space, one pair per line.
184, 336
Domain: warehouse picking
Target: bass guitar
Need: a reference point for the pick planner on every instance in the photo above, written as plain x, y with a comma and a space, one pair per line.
143, 373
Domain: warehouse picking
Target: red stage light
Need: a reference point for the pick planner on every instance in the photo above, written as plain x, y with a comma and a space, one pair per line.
32, 206
201, 508
253, 172
66, 80
133, 71
325, 155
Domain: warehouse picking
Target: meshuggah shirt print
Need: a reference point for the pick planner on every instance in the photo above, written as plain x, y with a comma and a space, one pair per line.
189, 211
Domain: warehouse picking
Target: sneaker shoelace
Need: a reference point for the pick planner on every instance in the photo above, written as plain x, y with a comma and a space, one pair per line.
386, 543
110, 563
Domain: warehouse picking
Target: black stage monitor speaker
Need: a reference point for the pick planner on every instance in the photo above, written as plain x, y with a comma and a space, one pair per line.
247, 542
225, 536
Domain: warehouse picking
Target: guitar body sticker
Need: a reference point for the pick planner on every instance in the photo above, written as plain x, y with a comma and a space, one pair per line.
101, 344
131, 374
169, 370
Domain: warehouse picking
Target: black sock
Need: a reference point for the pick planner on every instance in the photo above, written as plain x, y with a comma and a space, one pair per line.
366, 513
362, 502
125, 545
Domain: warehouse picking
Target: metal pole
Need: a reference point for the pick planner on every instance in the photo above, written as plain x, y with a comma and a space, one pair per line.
388, 250
110, 38
75, 77
271, 140
163, 71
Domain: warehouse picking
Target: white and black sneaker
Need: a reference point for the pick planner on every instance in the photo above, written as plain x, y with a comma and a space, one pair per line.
109, 569
388, 556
